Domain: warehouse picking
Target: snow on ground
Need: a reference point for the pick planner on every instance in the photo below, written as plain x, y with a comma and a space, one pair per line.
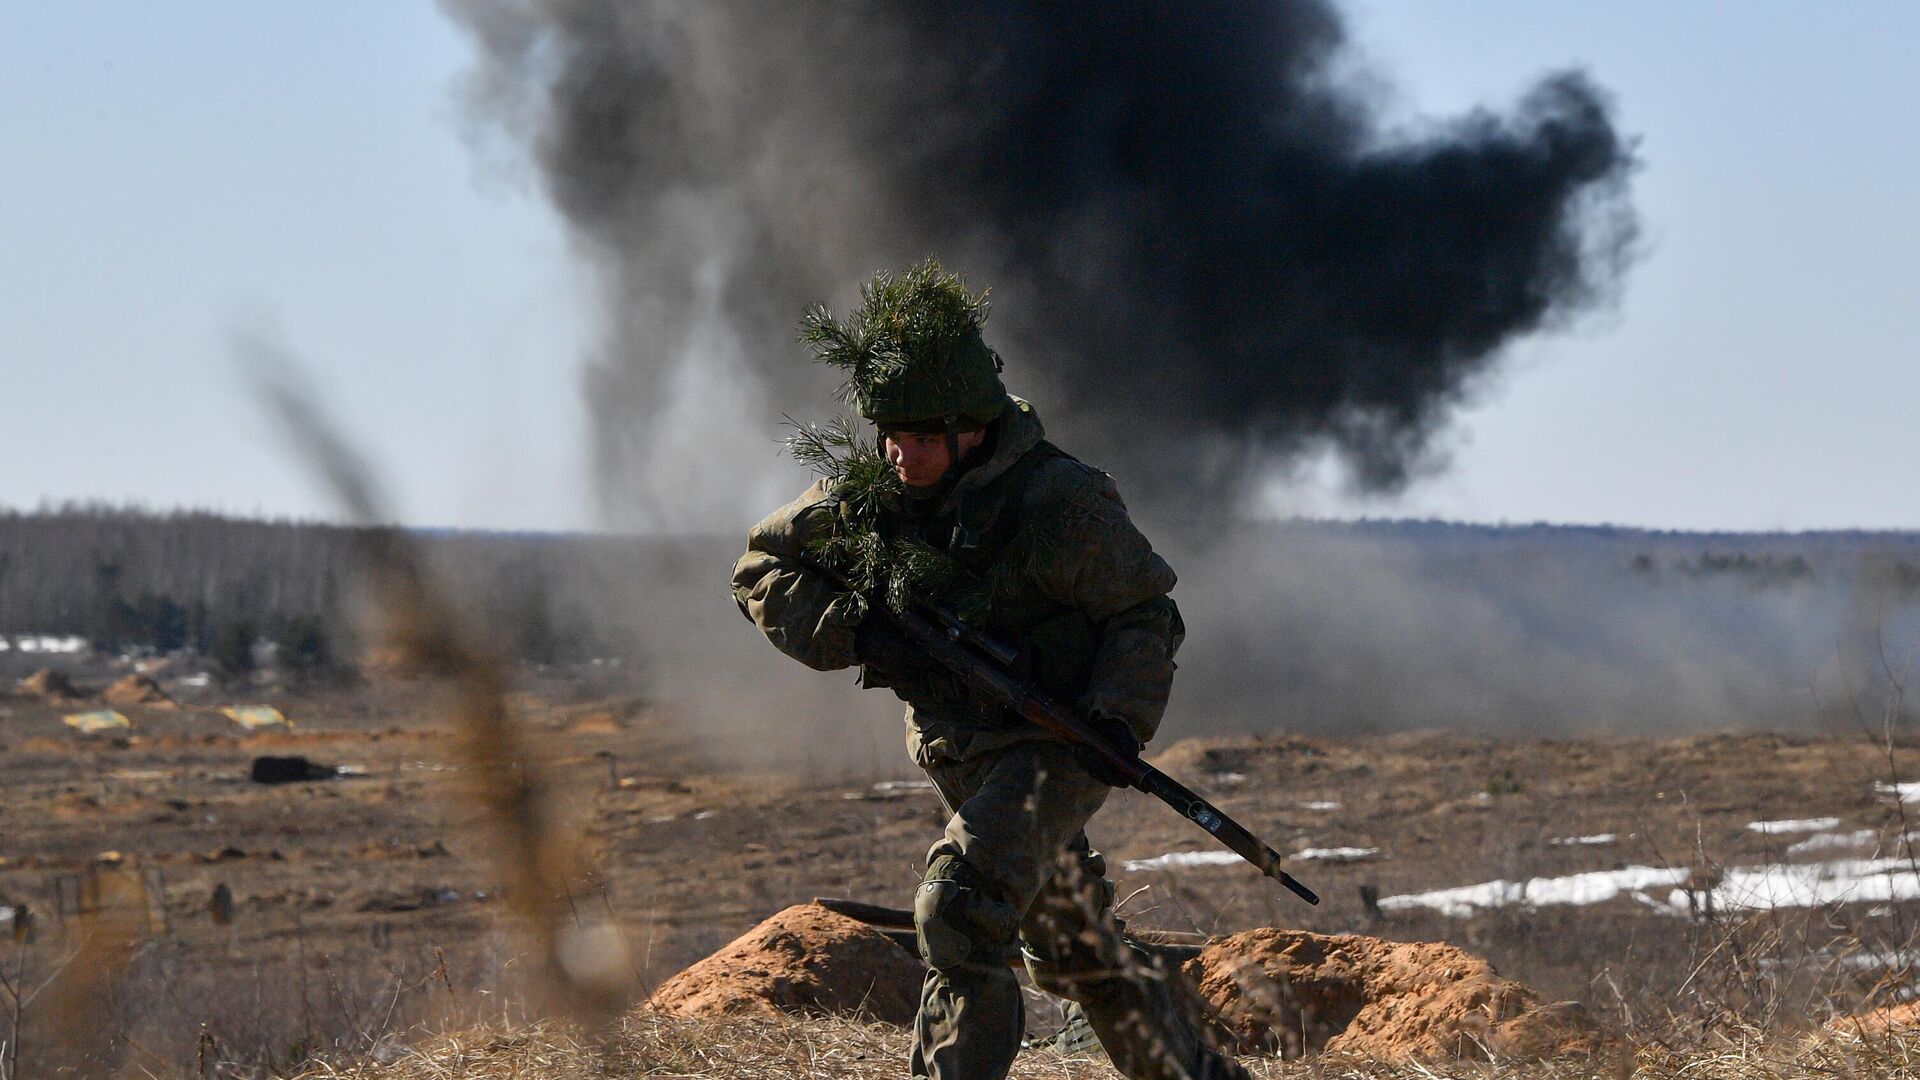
903, 785
1335, 854
1758, 888
1795, 825
1797, 885
1907, 792
1593, 887
1596, 840
1320, 805
1183, 858
1833, 842
1858, 960
1174, 859
46, 643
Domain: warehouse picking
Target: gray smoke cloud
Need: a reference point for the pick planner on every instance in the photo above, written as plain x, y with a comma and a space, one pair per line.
1207, 256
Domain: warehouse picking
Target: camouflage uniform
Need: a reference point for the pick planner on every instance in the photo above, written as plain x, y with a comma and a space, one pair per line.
1085, 595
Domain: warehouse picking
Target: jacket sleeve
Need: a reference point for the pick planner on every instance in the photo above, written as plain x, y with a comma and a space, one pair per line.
1096, 562
801, 611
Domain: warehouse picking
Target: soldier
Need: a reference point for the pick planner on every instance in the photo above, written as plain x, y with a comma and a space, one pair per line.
961, 499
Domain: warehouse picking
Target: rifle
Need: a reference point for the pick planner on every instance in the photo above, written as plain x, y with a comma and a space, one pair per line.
989, 665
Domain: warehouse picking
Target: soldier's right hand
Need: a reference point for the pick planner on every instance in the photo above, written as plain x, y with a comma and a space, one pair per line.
882, 647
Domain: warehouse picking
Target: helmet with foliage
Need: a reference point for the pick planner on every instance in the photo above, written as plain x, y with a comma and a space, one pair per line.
912, 352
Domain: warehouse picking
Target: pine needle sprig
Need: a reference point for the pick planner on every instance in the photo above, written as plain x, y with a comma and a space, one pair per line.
823, 448
919, 315
894, 571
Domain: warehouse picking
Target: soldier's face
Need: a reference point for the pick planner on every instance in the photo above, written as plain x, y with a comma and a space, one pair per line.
920, 459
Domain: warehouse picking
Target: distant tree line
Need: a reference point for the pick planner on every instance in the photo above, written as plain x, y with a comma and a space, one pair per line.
1758, 571
129, 579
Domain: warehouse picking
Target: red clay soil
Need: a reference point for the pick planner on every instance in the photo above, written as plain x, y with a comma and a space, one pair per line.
806, 960
1298, 993
51, 686
137, 690
1903, 1017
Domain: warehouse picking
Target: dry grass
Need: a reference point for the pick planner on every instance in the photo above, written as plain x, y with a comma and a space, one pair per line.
651, 1045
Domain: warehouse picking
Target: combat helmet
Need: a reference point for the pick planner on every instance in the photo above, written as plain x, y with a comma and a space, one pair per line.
912, 352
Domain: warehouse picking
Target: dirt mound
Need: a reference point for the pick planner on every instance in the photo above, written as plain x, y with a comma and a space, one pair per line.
50, 685
137, 690
805, 959
1904, 1017
1299, 992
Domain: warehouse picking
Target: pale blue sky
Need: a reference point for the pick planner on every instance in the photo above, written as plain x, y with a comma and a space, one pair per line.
176, 171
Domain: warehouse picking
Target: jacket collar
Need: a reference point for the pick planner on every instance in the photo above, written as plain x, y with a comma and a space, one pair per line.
1020, 431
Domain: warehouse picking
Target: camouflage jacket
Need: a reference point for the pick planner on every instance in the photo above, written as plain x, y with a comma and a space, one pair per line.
1075, 585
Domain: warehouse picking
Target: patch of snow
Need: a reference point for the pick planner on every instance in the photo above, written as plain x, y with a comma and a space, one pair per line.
1907, 792
49, 643
1335, 854
1229, 778
1321, 805
1594, 887
1483, 797
1868, 960
6, 914
702, 815
1595, 840
1833, 841
5, 646
1858, 960
1798, 885
904, 785
1794, 825
1183, 858
197, 681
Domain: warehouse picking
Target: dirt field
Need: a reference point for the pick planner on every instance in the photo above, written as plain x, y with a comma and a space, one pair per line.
365, 905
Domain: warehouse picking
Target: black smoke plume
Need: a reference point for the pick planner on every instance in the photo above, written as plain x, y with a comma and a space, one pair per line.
1208, 257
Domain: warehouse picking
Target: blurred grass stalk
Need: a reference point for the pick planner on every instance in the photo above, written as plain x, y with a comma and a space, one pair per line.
584, 971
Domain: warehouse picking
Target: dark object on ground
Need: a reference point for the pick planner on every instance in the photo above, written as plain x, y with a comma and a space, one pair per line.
415, 898
220, 905
137, 689
289, 770
1370, 902
51, 686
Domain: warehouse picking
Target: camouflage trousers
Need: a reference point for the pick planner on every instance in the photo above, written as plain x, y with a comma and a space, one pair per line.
1017, 818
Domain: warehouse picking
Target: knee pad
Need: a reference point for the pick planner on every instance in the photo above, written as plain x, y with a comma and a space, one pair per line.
956, 918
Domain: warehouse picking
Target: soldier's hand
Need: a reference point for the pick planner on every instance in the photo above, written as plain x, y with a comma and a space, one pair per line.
1116, 733
879, 645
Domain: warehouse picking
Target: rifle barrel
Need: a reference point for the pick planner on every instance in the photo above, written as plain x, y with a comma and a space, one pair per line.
1223, 828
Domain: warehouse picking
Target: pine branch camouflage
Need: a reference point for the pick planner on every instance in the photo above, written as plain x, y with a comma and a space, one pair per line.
912, 350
